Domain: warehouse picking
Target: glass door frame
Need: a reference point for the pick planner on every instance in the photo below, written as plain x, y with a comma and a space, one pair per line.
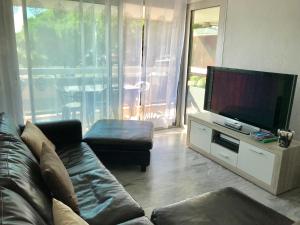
183, 88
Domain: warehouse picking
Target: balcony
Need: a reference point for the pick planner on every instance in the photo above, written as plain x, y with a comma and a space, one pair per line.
89, 94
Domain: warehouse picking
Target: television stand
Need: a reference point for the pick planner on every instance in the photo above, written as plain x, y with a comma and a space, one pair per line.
267, 165
243, 130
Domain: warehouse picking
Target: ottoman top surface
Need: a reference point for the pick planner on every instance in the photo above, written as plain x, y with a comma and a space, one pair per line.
225, 207
121, 132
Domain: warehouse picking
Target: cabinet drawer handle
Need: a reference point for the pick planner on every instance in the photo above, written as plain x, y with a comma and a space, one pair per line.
224, 156
257, 152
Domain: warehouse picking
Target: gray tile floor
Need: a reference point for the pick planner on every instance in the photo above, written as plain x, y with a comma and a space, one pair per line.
177, 173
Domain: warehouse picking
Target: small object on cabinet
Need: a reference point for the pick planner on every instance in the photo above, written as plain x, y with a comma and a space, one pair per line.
285, 137
263, 136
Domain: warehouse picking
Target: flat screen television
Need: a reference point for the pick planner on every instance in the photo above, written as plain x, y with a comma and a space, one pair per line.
261, 99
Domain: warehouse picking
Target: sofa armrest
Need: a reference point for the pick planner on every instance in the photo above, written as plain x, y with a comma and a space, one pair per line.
62, 133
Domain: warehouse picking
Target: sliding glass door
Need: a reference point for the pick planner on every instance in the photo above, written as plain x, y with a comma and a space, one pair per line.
68, 59
150, 88
90, 60
202, 53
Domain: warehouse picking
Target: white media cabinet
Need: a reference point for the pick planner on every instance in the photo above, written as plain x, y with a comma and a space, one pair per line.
269, 166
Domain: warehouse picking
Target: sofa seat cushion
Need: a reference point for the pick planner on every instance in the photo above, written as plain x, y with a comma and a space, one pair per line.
20, 172
101, 198
119, 135
16, 210
225, 207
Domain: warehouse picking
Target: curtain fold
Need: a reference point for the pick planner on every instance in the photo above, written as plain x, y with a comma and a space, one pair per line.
10, 96
133, 28
164, 38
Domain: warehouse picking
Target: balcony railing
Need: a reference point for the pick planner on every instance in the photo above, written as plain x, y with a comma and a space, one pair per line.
89, 93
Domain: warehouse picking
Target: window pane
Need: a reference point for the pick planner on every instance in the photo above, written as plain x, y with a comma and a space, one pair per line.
203, 39
69, 60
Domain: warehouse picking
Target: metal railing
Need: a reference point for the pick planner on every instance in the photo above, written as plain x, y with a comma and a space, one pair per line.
47, 88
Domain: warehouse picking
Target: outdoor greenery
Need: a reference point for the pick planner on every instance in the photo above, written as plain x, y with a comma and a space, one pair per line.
64, 38
197, 81
62, 42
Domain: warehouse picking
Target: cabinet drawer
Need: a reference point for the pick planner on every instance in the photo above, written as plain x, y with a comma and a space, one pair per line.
256, 162
224, 154
200, 136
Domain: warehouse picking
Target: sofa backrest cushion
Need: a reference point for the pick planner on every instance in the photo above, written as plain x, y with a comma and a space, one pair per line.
16, 210
61, 133
20, 172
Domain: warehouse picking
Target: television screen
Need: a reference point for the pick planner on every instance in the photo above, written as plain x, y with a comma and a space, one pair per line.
260, 99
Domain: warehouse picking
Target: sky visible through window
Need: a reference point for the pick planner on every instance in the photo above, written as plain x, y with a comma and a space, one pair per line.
18, 16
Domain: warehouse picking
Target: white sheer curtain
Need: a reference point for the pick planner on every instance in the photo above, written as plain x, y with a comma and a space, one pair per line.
164, 37
10, 97
151, 79
69, 59
99, 59
133, 28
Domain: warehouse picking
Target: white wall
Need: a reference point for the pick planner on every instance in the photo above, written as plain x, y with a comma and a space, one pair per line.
265, 35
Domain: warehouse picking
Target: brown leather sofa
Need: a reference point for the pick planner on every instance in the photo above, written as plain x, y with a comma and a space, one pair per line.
24, 198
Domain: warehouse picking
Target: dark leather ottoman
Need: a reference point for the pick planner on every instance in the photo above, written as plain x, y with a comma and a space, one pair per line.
225, 207
121, 141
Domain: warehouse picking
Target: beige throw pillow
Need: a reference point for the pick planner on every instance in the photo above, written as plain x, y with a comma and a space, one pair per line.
34, 138
63, 215
57, 178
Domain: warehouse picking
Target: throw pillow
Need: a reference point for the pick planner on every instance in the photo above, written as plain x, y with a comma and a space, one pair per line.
57, 178
63, 215
34, 138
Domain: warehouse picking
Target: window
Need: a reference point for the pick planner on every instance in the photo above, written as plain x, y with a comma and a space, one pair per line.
203, 46
68, 59
206, 25
93, 60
